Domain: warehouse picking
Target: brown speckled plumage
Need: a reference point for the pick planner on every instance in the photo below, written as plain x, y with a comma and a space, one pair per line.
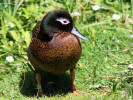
56, 56
55, 47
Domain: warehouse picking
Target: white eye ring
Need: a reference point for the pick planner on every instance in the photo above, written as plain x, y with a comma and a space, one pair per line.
63, 21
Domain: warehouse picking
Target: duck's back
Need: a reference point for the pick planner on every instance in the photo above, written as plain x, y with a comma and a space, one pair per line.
56, 56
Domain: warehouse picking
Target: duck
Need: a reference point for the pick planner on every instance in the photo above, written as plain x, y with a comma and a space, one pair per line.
55, 47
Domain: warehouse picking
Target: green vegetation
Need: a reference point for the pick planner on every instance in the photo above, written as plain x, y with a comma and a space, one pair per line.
103, 68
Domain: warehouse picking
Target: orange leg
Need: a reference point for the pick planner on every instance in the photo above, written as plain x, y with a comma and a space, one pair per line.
73, 90
40, 92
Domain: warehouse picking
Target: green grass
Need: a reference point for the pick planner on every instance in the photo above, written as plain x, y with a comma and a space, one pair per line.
104, 61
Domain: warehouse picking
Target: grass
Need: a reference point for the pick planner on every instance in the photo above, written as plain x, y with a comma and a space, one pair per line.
103, 67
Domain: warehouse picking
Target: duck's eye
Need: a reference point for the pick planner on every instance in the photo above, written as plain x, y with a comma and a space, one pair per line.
63, 21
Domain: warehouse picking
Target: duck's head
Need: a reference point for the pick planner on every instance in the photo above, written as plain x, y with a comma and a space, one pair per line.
56, 22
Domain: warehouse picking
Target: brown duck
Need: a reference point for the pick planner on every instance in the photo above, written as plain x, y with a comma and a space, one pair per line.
55, 47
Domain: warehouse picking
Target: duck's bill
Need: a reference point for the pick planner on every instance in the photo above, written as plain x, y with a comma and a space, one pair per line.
77, 33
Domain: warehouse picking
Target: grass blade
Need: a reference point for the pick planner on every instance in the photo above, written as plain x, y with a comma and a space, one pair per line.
131, 7
17, 5
25, 35
9, 7
4, 30
16, 22
122, 7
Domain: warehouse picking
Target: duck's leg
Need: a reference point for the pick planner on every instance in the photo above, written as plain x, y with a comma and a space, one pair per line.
40, 92
73, 90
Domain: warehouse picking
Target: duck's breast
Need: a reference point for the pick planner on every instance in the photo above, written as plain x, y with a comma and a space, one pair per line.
57, 56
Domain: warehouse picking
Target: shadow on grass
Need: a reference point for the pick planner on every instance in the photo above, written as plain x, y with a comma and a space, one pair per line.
51, 84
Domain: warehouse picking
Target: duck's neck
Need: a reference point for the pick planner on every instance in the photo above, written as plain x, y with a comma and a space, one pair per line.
44, 37
45, 32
